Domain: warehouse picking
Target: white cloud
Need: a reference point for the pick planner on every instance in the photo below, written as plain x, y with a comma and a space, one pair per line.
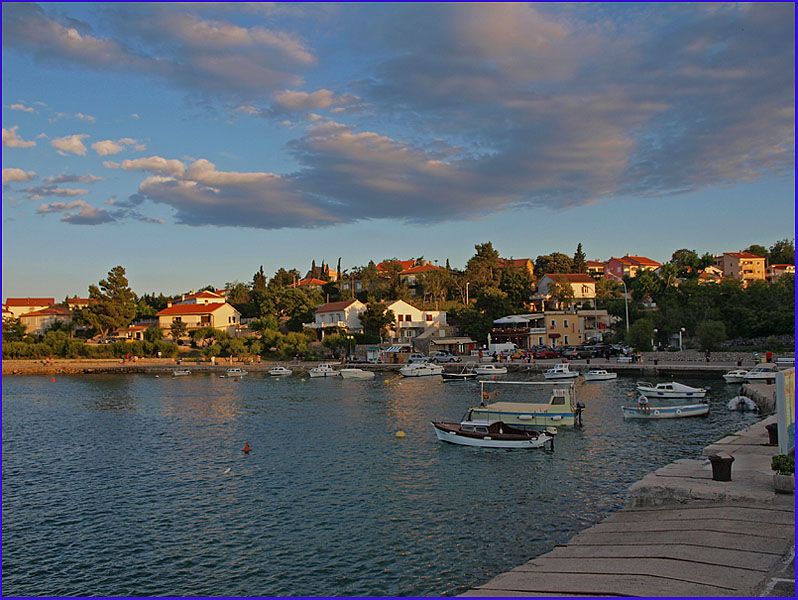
153, 164
12, 175
23, 107
12, 140
135, 116
46, 191
64, 178
77, 212
84, 117
70, 144
110, 147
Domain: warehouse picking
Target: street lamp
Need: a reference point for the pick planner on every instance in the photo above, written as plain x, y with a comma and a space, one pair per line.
681, 331
653, 338
466, 293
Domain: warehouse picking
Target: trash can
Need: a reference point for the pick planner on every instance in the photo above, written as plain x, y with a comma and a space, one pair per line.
739, 363
773, 434
721, 466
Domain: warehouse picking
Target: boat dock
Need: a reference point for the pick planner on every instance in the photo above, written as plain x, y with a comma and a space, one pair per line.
680, 534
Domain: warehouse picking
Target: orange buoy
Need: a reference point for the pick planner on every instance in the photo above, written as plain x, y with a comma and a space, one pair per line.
246, 449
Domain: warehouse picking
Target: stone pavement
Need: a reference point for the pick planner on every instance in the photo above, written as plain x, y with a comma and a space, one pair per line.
681, 534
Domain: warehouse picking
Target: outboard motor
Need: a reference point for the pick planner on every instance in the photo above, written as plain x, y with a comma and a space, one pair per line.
580, 406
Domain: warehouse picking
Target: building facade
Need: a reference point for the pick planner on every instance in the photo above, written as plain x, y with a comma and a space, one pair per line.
20, 306
745, 266
38, 321
343, 315
219, 315
630, 265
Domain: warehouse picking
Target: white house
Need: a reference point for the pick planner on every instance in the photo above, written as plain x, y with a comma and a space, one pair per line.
20, 306
344, 315
39, 320
204, 297
410, 321
582, 285
219, 315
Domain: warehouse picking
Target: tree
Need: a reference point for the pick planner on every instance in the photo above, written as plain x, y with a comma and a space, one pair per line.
259, 280
517, 284
13, 330
340, 273
687, 262
376, 318
493, 303
283, 278
757, 249
580, 260
711, 334
153, 334
177, 330
561, 293
113, 303
782, 253
205, 336
556, 262
483, 269
640, 335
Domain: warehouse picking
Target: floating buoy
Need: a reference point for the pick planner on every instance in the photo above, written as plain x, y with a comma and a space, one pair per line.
53, 380
246, 449
157, 377
227, 470
400, 434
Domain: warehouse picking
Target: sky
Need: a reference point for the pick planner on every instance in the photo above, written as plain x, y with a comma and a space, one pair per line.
194, 142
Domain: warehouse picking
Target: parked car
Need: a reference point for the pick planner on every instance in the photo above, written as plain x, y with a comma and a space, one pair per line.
577, 352
416, 358
444, 356
544, 352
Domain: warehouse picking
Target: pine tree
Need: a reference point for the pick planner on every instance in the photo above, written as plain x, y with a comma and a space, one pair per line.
580, 260
338, 268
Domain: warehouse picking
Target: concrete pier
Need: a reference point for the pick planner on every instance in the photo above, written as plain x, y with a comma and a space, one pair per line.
681, 534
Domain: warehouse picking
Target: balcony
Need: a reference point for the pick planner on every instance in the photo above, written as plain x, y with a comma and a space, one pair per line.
518, 331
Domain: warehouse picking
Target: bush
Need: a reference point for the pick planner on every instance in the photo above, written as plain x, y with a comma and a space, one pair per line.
783, 464
711, 334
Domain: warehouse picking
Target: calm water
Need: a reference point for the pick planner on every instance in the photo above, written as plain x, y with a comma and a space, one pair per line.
117, 485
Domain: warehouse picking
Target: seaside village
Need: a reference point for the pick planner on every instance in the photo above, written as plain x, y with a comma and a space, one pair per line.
560, 309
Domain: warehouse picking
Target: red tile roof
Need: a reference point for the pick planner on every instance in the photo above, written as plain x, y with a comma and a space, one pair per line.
190, 309
405, 264
643, 261
30, 301
334, 306
203, 294
421, 269
571, 277
516, 262
781, 266
595, 263
743, 255
49, 311
309, 281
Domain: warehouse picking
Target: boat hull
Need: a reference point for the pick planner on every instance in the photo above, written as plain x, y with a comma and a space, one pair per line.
651, 393
734, 378
421, 372
356, 374
601, 377
665, 412
454, 437
571, 375
458, 376
483, 371
323, 373
280, 373
534, 417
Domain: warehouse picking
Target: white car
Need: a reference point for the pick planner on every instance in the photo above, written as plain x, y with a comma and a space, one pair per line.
444, 357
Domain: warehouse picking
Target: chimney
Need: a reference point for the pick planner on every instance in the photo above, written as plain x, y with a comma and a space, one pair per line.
168, 304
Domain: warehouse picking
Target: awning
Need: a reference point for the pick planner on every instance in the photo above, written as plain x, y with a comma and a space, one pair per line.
451, 340
554, 335
396, 348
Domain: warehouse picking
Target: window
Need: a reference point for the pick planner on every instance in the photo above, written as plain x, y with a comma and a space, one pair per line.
429, 317
585, 290
399, 318
565, 323
407, 318
176, 319
565, 340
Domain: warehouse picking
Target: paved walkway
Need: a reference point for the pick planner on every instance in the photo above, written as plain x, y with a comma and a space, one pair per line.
681, 534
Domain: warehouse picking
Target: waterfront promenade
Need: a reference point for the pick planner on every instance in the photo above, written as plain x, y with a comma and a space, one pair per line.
681, 534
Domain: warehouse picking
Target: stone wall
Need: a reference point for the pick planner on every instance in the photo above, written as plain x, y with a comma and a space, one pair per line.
688, 356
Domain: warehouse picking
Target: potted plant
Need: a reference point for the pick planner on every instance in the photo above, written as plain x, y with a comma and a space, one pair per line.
783, 466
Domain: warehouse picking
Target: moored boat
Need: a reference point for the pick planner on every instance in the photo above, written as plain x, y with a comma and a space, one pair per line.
736, 376
560, 371
467, 373
323, 370
497, 434
665, 412
490, 369
235, 372
600, 375
423, 369
352, 373
180, 372
280, 370
671, 389
522, 410
765, 373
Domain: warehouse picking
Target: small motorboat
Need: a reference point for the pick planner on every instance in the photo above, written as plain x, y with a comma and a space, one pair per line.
672, 389
600, 375
180, 372
279, 371
765, 373
490, 369
743, 404
423, 369
353, 373
467, 373
323, 370
560, 371
235, 372
484, 434
647, 411
736, 376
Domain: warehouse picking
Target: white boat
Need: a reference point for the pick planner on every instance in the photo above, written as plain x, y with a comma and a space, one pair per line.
513, 403
180, 372
280, 370
323, 370
235, 372
467, 373
356, 374
490, 369
560, 371
424, 369
736, 376
484, 434
743, 404
665, 412
671, 389
762, 373
600, 375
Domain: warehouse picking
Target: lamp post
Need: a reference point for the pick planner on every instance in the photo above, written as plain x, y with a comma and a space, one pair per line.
466, 299
681, 331
654, 338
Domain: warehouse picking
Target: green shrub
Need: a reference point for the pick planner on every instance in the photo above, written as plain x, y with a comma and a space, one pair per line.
784, 464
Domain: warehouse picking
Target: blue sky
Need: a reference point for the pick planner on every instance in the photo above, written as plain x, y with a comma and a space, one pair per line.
194, 142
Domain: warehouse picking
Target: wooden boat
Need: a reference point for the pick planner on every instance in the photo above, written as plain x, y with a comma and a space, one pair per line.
352, 373
672, 389
467, 373
235, 372
560, 371
483, 434
736, 376
600, 375
180, 372
424, 369
279, 371
561, 408
665, 412
323, 370
490, 369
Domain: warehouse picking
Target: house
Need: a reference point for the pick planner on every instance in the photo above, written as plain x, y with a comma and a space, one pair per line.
132, 333
630, 265
38, 320
384, 265
744, 266
525, 331
582, 285
219, 315
567, 328
310, 283
776, 271
521, 263
342, 315
7, 314
204, 297
411, 322
710, 274
410, 275
595, 268
76, 303
21, 306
